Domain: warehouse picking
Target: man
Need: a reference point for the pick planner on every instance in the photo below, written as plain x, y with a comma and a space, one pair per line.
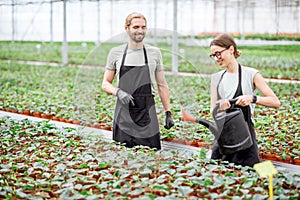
138, 67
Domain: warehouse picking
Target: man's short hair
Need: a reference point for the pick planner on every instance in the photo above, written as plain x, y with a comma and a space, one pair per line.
132, 16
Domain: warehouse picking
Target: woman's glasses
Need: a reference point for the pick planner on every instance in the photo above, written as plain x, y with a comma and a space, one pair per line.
217, 55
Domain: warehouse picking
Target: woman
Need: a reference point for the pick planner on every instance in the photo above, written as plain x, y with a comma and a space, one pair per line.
225, 85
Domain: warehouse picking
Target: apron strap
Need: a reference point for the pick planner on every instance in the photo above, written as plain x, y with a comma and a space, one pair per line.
239, 90
145, 55
219, 97
125, 53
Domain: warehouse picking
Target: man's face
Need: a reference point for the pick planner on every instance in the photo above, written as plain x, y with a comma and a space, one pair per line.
137, 30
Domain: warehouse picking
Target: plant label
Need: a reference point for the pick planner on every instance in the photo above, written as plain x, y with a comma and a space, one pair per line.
265, 169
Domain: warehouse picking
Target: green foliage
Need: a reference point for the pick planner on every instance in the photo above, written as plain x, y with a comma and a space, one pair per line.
274, 61
266, 36
99, 169
74, 93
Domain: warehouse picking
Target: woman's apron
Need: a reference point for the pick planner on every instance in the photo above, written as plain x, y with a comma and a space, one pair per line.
138, 124
247, 157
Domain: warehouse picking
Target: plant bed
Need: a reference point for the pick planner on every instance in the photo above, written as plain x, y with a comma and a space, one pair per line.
58, 91
275, 61
38, 160
195, 143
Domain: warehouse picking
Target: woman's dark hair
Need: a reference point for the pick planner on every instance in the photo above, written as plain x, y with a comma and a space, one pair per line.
225, 40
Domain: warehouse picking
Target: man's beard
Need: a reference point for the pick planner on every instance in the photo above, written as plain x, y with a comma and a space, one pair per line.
138, 37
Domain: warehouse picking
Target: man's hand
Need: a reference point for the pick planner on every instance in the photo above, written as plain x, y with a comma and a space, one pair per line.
124, 97
169, 121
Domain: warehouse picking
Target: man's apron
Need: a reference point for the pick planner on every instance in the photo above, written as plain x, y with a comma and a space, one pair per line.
247, 157
138, 124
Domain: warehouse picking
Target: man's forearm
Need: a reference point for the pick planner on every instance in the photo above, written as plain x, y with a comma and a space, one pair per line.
109, 88
164, 95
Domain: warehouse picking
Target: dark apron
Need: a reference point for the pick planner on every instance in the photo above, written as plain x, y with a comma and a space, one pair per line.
138, 124
247, 157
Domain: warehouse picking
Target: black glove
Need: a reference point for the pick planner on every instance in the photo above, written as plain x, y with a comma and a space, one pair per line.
124, 97
169, 120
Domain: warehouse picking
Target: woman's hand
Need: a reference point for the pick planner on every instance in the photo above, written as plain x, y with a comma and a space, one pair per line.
244, 100
224, 104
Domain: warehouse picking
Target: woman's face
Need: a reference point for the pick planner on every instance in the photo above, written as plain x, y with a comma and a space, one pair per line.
223, 56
